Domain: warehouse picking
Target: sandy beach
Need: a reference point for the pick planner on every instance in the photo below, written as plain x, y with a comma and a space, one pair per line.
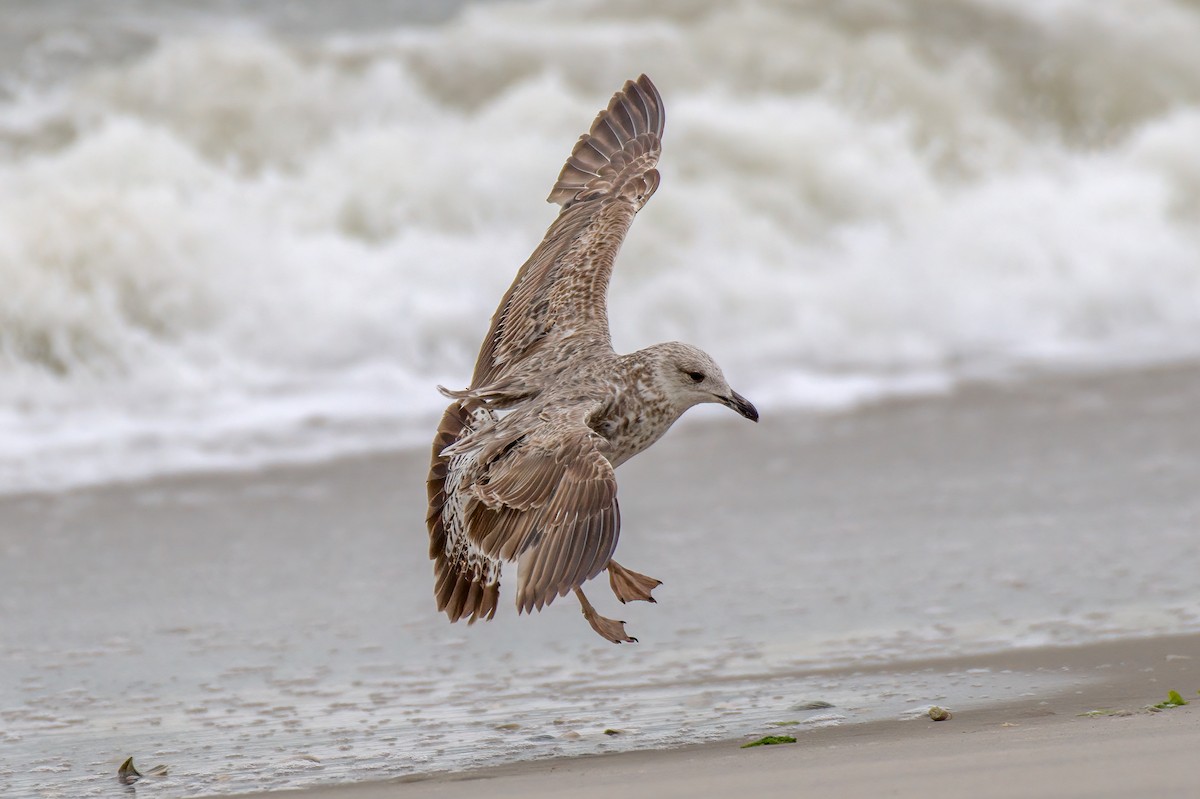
1019, 553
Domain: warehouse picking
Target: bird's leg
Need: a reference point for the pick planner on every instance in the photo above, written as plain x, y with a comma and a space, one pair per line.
628, 585
608, 629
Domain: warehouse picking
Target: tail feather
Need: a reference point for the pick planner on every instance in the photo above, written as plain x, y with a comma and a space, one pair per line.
618, 154
467, 581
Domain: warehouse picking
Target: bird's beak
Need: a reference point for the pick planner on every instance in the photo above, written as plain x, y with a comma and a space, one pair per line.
740, 404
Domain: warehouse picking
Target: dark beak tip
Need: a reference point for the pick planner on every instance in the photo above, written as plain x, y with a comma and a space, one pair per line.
743, 406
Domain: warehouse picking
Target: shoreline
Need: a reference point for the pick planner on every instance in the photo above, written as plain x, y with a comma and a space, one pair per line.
1045, 745
1028, 379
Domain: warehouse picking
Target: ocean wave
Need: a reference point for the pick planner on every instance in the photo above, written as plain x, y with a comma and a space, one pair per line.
231, 244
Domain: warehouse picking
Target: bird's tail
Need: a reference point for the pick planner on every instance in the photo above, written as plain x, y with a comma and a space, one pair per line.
618, 154
467, 580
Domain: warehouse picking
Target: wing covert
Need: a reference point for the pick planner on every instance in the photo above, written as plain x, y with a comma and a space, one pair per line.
550, 500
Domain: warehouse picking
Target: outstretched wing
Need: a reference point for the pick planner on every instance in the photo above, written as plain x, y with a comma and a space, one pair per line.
561, 291
468, 581
547, 497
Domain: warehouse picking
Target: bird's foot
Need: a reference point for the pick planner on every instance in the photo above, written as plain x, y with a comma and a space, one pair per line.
608, 629
628, 585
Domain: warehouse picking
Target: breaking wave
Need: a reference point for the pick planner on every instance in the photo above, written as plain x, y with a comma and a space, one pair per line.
223, 243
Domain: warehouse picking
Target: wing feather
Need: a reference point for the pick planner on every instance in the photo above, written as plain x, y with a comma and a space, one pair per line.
467, 581
549, 501
561, 291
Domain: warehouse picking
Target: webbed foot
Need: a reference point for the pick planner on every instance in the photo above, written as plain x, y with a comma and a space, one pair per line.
608, 629
629, 586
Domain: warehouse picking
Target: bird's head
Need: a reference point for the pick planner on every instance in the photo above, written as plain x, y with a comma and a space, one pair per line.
688, 376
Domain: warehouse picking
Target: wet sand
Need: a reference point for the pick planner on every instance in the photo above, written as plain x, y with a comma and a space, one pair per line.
274, 629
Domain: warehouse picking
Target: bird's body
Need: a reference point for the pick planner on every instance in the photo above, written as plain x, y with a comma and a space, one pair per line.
523, 461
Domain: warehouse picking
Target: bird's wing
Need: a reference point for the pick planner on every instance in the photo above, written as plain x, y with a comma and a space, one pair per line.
547, 495
561, 291
468, 581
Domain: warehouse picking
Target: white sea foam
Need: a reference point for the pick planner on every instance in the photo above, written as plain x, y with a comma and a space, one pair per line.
223, 244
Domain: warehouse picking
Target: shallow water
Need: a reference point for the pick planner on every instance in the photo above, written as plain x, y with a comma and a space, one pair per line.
276, 726
234, 233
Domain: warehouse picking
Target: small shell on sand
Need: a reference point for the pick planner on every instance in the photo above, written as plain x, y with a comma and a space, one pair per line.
128, 774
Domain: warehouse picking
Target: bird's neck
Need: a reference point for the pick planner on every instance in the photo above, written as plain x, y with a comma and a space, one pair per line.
639, 413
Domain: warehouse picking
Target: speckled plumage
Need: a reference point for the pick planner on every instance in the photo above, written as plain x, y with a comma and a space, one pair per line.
522, 464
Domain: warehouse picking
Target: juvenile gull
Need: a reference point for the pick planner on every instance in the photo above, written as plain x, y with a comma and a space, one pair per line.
524, 457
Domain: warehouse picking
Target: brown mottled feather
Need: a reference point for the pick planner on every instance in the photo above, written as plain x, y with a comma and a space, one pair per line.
551, 490
463, 588
562, 288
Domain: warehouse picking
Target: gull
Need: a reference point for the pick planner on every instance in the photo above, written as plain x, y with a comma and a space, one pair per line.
523, 463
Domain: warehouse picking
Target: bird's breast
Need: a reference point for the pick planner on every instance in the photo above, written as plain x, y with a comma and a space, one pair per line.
630, 430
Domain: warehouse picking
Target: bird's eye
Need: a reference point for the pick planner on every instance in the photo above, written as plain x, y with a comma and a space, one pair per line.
697, 377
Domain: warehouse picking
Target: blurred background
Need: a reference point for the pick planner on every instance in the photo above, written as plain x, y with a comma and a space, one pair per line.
236, 233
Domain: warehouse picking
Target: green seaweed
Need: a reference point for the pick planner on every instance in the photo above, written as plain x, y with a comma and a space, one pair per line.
1173, 700
771, 740
782, 723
